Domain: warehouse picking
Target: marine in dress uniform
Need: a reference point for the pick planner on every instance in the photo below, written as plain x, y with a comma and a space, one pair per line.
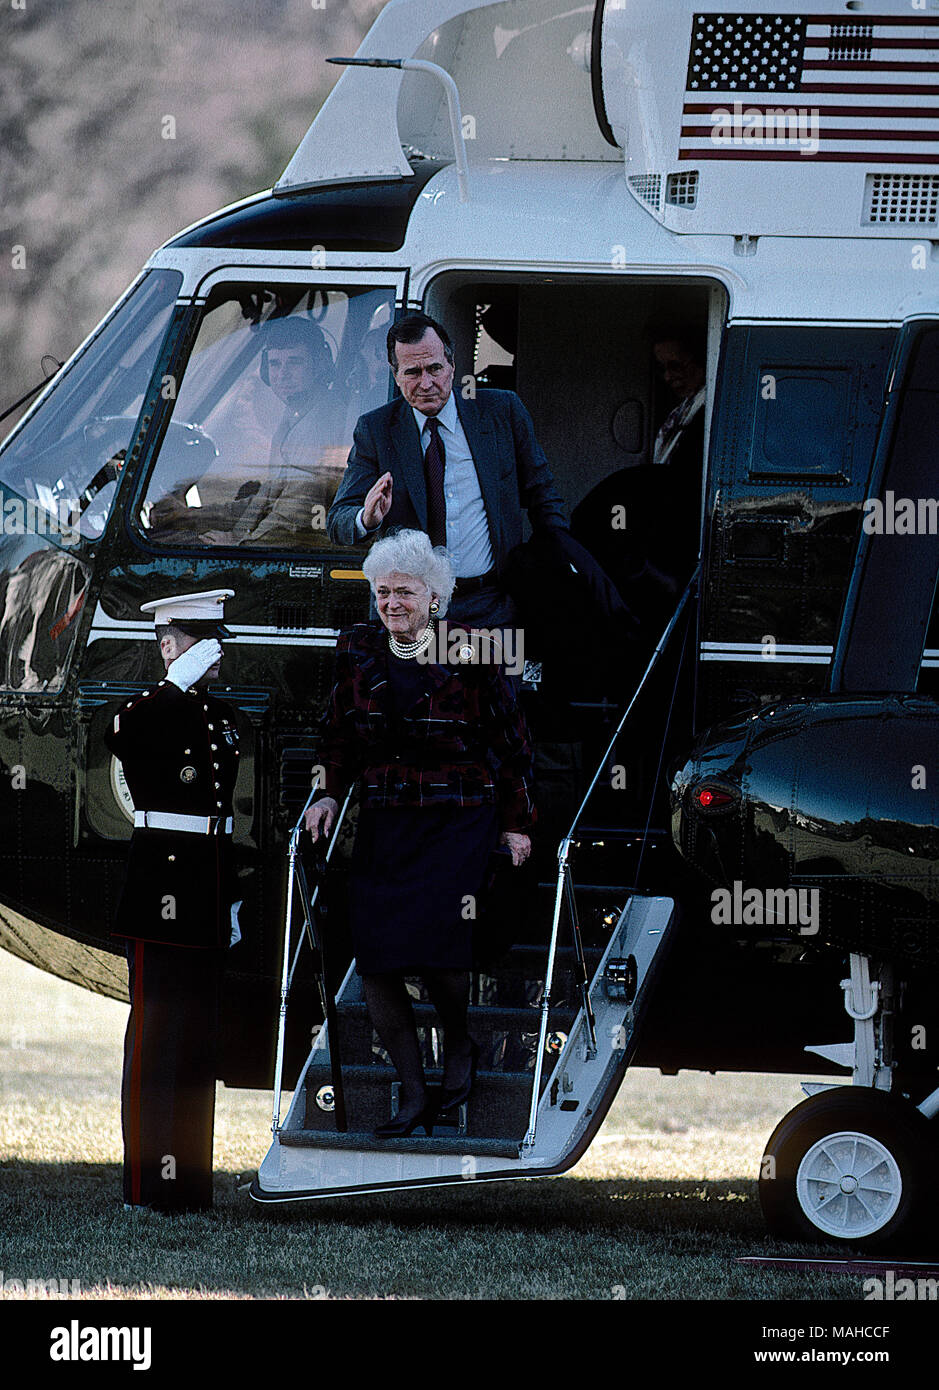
178, 746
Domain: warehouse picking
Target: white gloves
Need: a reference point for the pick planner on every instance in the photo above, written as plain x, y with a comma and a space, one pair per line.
194, 663
235, 925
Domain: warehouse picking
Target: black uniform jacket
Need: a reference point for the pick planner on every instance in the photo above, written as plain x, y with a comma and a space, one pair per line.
179, 752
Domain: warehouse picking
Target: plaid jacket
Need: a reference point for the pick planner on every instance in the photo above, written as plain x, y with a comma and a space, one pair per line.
464, 744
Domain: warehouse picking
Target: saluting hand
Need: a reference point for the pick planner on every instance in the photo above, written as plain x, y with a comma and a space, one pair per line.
192, 665
320, 817
377, 503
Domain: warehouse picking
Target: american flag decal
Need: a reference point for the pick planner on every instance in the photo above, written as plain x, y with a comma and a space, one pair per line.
769, 86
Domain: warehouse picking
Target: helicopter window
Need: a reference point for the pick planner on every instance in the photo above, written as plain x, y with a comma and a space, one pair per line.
262, 426
802, 421
64, 461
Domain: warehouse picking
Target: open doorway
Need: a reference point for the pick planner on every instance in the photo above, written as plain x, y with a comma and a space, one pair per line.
618, 375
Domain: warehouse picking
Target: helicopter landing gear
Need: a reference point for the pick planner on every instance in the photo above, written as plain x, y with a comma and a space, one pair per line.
855, 1163
850, 1165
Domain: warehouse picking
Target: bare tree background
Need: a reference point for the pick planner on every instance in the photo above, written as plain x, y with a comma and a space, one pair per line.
89, 183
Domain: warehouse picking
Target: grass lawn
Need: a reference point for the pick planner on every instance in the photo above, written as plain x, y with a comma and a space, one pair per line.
659, 1208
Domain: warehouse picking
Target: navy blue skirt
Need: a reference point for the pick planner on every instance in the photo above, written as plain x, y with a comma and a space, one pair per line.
418, 877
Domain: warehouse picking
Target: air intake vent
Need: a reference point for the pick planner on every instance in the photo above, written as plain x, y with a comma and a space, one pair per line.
894, 198
292, 617
681, 190
648, 187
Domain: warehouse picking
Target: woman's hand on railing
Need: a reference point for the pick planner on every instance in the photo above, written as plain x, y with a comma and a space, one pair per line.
320, 817
518, 845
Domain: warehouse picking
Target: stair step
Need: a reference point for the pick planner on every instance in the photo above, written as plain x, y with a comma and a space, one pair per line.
492, 1018
498, 1107
531, 962
364, 1139
510, 1029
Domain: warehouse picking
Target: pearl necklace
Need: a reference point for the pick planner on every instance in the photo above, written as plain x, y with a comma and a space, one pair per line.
407, 650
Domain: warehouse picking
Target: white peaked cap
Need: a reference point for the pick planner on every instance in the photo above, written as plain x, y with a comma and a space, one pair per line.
206, 607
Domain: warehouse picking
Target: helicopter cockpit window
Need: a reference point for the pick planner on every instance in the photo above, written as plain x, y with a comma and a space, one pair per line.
60, 469
262, 425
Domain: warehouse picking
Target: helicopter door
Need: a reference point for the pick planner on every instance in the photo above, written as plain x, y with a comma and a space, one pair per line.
887, 609
795, 424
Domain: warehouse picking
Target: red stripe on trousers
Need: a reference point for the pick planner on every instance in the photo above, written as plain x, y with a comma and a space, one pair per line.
133, 1125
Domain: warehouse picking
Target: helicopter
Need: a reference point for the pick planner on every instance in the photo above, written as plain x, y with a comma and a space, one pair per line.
746, 804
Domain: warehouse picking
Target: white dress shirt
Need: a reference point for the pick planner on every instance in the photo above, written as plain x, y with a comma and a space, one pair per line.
673, 424
468, 541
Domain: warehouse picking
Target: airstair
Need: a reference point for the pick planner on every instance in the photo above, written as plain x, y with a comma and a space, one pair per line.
557, 1025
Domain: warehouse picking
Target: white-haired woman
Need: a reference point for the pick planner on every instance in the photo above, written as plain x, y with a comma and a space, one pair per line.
442, 755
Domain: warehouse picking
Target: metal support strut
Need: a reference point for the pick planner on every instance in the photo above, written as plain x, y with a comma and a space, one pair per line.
295, 873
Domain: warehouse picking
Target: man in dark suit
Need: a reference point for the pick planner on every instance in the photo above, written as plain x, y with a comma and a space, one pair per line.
460, 469
178, 747
642, 523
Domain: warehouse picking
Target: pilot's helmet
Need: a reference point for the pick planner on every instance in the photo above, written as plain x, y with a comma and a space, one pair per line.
198, 615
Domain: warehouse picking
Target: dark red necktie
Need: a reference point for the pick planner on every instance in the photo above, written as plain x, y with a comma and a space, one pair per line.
434, 463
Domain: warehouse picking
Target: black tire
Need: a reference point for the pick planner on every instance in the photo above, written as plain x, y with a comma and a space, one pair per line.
893, 1150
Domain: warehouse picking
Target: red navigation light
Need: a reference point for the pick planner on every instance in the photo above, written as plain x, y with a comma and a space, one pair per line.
711, 798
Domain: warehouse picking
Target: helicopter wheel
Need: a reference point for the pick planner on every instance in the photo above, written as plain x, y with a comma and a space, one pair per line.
852, 1165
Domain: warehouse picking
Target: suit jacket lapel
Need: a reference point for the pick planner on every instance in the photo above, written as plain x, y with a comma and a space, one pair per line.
406, 442
480, 436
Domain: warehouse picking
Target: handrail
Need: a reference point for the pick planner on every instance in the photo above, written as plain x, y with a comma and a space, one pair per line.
565, 885
288, 969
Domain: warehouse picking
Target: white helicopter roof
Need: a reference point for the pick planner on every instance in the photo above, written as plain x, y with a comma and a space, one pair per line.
522, 69
794, 121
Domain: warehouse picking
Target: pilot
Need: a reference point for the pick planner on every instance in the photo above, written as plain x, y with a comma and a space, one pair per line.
178, 746
302, 473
